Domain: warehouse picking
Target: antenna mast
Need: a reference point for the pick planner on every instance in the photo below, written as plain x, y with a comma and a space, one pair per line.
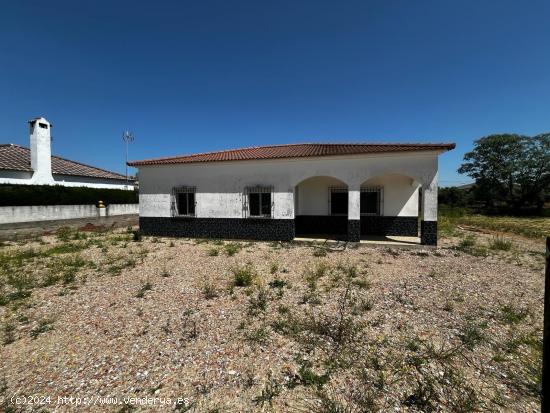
127, 137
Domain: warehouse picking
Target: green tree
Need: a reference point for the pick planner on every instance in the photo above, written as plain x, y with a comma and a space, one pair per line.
456, 197
511, 171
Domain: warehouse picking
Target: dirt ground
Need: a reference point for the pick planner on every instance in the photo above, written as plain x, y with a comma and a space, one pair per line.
23, 230
112, 324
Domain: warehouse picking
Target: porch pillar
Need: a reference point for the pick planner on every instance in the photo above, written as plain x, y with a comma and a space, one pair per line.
428, 225
354, 213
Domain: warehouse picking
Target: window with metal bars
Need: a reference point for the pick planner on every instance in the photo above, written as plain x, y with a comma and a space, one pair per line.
338, 200
372, 200
258, 202
183, 201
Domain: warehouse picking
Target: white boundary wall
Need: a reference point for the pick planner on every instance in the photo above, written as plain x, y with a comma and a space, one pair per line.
25, 178
14, 214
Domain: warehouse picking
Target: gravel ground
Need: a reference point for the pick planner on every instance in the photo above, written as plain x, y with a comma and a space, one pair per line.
364, 329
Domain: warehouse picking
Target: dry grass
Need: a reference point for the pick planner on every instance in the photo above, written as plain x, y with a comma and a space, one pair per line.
274, 326
531, 227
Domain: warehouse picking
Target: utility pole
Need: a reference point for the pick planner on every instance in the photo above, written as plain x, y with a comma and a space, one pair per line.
127, 137
545, 400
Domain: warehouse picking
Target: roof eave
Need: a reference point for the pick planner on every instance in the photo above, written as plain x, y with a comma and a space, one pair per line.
175, 160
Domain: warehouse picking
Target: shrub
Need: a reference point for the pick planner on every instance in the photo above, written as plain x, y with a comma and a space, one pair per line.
258, 303
165, 273
277, 283
362, 283
66, 248
271, 390
16, 195
467, 242
308, 377
209, 291
136, 235
319, 252
243, 276
64, 233
9, 332
144, 288
500, 243
471, 334
42, 327
259, 335
469, 246
232, 248
512, 315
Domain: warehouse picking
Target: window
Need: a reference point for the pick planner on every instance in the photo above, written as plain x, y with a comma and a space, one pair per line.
371, 200
43, 125
183, 201
338, 201
258, 202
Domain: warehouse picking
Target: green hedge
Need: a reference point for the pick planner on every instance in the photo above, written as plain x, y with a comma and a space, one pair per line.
15, 195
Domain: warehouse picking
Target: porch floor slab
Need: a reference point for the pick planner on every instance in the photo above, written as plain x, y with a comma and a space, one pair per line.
391, 240
371, 240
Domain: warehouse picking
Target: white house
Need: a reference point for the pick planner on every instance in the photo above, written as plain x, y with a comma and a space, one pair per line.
284, 191
37, 166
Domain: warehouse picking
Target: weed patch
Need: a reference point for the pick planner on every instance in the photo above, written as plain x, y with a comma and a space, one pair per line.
147, 286
244, 275
500, 243
42, 327
232, 248
509, 314
209, 291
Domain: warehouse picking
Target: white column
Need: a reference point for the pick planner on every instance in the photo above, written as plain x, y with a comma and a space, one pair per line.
429, 200
354, 201
354, 213
428, 226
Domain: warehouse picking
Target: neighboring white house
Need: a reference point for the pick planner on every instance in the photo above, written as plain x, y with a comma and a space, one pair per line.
284, 191
37, 166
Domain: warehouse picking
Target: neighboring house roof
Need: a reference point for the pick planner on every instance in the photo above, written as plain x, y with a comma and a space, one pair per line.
18, 158
465, 186
299, 150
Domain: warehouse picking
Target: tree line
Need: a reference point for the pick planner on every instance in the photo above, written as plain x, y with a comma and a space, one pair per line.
511, 174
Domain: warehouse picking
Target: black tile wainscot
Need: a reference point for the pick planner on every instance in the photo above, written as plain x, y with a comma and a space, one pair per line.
398, 226
261, 229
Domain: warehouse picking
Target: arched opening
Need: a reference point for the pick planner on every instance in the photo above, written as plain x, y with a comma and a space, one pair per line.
321, 208
389, 206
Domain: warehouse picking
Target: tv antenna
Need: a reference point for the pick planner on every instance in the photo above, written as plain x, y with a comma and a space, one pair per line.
127, 137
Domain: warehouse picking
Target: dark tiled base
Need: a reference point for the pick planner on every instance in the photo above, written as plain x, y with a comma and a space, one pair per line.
228, 228
401, 226
428, 232
285, 229
322, 225
354, 230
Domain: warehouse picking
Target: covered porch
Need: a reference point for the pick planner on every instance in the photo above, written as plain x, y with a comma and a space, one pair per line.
390, 209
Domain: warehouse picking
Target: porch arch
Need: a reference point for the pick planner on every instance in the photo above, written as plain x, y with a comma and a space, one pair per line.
399, 193
389, 205
321, 207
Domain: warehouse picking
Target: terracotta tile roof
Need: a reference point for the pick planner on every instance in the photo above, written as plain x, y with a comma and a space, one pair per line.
18, 158
298, 150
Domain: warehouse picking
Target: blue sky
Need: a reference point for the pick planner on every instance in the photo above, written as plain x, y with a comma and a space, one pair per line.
207, 75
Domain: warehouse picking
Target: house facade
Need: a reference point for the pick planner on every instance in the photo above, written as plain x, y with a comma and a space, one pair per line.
345, 191
37, 166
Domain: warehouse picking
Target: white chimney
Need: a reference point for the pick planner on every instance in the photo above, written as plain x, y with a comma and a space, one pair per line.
41, 151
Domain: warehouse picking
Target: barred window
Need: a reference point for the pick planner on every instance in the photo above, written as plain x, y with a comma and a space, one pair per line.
338, 200
258, 202
183, 201
371, 200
